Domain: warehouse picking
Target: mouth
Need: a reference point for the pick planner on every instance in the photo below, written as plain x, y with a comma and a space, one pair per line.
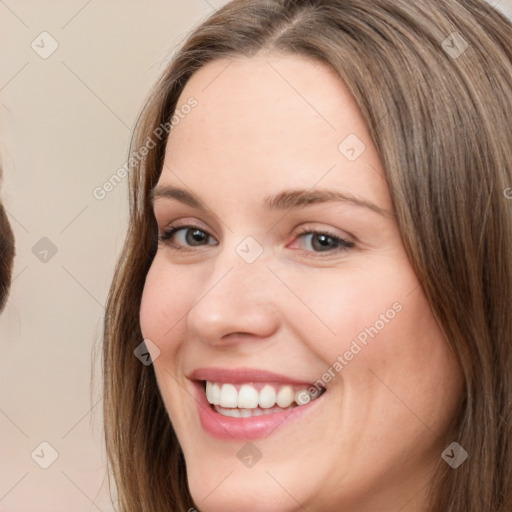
257, 398
248, 403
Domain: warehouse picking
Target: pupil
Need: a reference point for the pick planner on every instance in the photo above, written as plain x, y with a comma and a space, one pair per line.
324, 240
197, 235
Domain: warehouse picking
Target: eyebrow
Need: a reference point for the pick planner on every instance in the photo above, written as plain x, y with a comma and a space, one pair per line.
285, 200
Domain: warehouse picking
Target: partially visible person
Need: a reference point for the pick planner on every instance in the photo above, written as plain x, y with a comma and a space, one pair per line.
6, 254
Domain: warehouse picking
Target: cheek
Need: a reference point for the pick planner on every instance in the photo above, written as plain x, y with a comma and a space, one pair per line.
166, 299
349, 308
406, 370
379, 339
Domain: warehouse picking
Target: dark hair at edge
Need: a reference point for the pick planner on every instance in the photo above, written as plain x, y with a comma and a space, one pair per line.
7, 251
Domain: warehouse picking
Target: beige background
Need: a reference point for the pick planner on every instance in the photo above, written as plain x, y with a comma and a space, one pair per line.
65, 124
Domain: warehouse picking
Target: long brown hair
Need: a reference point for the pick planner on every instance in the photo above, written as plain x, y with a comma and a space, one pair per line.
433, 80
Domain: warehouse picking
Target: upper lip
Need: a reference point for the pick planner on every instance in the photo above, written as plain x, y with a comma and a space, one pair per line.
241, 375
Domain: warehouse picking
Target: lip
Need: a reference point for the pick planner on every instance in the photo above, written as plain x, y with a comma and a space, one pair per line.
243, 375
254, 427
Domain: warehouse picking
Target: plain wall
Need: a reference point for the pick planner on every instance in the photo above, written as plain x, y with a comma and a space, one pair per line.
65, 126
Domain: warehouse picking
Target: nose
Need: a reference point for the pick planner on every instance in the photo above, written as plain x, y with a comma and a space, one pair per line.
237, 301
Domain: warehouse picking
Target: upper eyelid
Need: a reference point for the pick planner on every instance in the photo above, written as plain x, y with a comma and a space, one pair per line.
185, 225
160, 209
175, 225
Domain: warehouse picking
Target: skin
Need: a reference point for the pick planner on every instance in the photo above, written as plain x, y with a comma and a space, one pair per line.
373, 442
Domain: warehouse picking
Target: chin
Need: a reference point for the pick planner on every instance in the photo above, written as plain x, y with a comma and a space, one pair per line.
241, 491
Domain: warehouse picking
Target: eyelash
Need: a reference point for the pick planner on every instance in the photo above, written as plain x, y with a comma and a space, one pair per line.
343, 245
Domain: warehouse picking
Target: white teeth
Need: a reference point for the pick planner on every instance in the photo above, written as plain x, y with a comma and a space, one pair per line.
248, 398
302, 397
267, 397
213, 393
246, 413
285, 396
234, 413
228, 396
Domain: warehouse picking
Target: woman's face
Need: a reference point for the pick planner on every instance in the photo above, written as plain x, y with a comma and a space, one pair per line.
271, 270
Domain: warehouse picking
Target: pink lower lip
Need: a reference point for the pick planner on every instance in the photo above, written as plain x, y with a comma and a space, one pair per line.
254, 427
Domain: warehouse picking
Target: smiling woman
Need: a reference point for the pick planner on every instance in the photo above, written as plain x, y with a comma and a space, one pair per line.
318, 263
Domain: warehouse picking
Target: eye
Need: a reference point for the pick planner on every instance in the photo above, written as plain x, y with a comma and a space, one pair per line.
183, 236
187, 235
324, 241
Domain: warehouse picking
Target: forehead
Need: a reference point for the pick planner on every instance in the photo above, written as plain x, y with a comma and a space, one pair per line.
270, 121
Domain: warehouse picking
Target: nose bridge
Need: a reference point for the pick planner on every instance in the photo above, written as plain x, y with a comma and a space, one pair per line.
236, 296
